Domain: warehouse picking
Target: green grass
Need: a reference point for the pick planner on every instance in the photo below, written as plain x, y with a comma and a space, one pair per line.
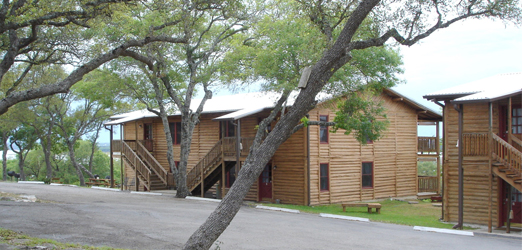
396, 212
17, 239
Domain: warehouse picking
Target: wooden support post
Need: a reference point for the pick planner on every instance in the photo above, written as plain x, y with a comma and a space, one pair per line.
112, 158
437, 147
490, 175
508, 221
202, 182
121, 157
510, 123
223, 177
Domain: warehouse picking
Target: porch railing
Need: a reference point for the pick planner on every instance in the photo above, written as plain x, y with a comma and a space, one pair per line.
135, 162
144, 153
426, 144
475, 144
428, 184
507, 154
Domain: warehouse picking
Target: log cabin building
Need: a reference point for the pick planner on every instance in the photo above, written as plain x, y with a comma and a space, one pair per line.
482, 151
314, 166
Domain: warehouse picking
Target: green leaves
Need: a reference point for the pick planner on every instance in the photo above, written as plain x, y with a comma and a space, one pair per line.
360, 114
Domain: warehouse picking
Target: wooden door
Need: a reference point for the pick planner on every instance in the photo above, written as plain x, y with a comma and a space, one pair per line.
265, 184
503, 123
516, 203
147, 136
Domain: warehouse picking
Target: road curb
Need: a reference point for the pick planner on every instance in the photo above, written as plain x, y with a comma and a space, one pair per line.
343, 217
144, 193
108, 189
202, 199
278, 209
31, 182
442, 230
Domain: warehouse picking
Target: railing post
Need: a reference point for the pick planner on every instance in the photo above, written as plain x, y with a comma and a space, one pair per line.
202, 181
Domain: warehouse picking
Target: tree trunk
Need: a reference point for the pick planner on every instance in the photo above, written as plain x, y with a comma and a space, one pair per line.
21, 160
72, 156
322, 71
4, 156
187, 130
46, 147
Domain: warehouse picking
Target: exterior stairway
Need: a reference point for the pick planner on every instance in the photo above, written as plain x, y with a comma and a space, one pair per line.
507, 162
209, 169
149, 172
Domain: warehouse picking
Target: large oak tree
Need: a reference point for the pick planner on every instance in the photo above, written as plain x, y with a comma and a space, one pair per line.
405, 22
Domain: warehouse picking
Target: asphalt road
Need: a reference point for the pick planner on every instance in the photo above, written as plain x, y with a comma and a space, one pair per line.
134, 221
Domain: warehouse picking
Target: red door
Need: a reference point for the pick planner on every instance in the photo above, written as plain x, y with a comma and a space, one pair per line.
516, 204
265, 184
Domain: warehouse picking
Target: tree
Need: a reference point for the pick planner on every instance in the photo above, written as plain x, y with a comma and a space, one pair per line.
416, 20
175, 72
34, 33
22, 141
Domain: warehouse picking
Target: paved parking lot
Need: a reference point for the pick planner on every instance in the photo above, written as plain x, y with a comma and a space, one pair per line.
125, 220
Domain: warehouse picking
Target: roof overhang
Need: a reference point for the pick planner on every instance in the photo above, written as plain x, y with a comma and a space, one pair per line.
423, 113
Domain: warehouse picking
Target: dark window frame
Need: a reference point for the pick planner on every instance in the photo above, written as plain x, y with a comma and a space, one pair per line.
324, 180
324, 129
369, 176
516, 124
175, 132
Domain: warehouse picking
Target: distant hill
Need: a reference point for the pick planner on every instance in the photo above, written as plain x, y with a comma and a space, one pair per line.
104, 147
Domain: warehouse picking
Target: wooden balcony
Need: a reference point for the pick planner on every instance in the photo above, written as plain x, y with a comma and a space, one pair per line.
427, 145
428, 184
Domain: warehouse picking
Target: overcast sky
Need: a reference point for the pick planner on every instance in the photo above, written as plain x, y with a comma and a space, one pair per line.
464, 52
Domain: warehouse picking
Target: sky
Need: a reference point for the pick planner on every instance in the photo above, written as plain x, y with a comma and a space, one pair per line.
464, 52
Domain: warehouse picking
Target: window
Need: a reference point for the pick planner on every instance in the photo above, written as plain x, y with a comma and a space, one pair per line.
147, 131
367, 174
227, 129
324, 177
175, 131
323, 130
516, 121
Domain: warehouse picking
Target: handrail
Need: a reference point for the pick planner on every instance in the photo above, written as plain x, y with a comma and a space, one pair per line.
516, 140
505, 153
194, 176
226, 147
154, 164
137, 163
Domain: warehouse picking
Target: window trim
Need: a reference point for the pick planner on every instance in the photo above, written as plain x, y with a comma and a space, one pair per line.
514, 126
372, 175
174, 129
327, 177
325, 128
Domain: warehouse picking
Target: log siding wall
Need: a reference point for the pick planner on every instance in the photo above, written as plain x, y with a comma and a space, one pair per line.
476, 168
394, 157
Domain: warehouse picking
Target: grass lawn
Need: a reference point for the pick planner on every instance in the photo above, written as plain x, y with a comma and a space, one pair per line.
397, 212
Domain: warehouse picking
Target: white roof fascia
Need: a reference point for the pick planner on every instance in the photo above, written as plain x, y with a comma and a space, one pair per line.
239, 114
491, 84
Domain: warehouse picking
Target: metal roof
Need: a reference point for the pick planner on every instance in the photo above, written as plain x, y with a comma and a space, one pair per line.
487, 89
242, 105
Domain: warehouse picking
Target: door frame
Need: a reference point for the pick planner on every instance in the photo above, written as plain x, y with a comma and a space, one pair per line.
268, 167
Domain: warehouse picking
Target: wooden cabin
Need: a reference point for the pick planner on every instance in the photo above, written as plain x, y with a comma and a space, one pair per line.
482, 151
314, 166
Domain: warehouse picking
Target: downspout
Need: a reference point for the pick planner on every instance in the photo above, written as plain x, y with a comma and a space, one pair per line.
121, 157
443, 153
460, 223
308, 161
238, 145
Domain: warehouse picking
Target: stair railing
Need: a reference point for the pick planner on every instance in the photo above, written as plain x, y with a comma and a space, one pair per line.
136, 163
196, 173
155, 166
505, 153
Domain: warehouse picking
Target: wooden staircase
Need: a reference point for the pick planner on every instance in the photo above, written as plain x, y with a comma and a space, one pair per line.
148, 170
209, 169
507, 162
